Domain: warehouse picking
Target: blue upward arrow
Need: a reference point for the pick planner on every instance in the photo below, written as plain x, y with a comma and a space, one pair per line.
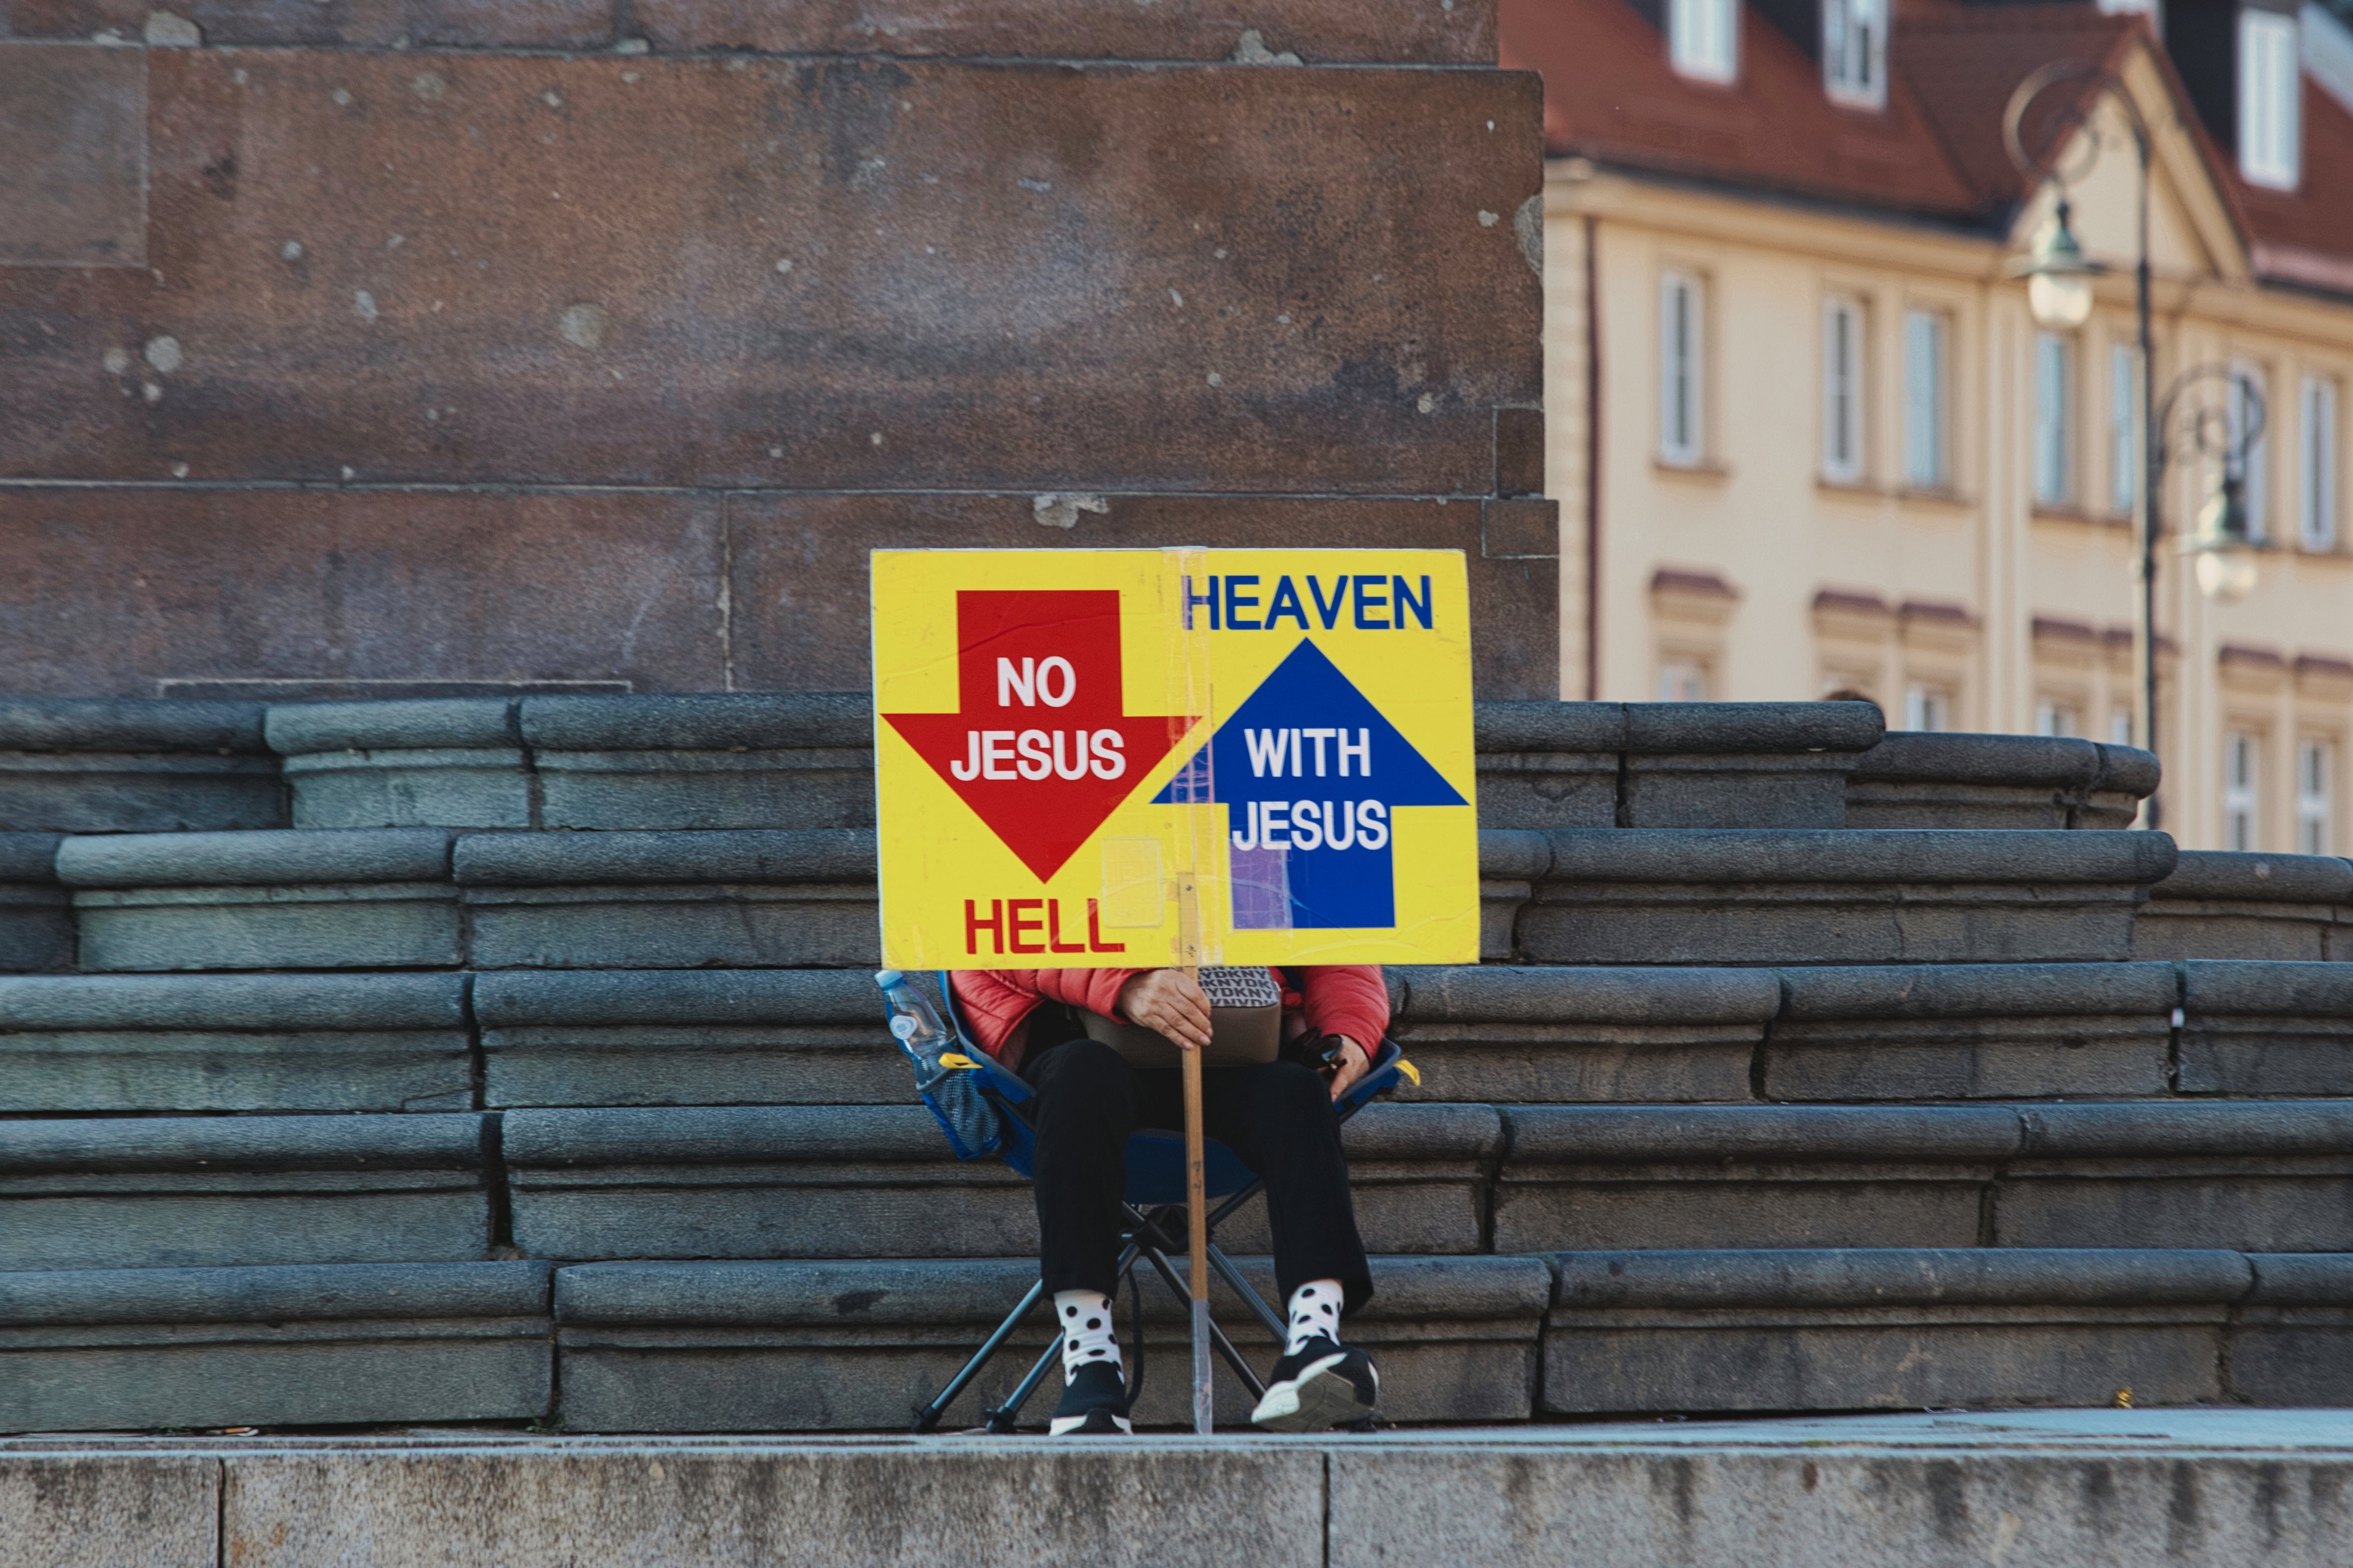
1310, 770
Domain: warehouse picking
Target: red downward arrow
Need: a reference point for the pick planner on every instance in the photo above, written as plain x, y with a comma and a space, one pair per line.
1040, 747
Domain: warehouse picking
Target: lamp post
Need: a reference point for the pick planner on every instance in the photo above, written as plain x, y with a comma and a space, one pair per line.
2059, 281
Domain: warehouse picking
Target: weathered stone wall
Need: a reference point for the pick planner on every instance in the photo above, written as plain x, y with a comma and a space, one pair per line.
453, 346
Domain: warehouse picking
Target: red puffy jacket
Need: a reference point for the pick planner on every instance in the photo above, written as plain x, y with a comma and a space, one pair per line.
1348, 999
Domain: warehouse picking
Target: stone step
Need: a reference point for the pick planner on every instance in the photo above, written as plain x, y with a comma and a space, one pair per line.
720, 760
2269, 1176
428, 897
99, 1044
1913, 779
190, 1191
132, 765
115, 1042
856, 1345
1847, 896
1895, 1328
684, 1347
880, 1181
93, 1349
2113, 1489
37, 929
2223, 904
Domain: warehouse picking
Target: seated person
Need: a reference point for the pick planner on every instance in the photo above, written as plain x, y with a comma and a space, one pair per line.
1276, 1115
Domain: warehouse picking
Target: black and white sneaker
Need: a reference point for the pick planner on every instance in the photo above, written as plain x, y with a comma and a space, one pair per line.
1093, 1401
1322, 1384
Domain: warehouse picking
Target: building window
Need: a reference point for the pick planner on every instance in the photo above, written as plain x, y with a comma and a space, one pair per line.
1681, 681
2120, 727
2124, 443
1927, 708
1702, 38
2056, 718
1683, 318
2271, 88
2239, 776
2054, 417
1854, 52
2316, 465
2316, 768
1842, 390
1928, 347
2248, 386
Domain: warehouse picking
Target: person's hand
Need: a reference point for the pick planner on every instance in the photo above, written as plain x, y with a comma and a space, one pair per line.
1353, 1062
1171, 1001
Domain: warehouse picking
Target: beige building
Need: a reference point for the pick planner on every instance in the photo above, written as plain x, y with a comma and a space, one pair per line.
1808, 438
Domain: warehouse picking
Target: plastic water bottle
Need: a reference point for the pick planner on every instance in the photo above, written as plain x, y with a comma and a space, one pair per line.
915, 1025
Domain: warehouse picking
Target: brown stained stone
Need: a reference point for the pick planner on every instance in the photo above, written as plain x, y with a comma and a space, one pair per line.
1355, 32
71, 393
110, 591
800, 587
368, 24
73, 146
986, 265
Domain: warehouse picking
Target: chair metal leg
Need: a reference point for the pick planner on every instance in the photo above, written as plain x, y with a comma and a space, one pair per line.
1232, 1276
928, 1416
1001, 1419
1225, 1347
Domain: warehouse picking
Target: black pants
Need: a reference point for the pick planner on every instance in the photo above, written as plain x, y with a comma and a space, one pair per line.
1278, 1118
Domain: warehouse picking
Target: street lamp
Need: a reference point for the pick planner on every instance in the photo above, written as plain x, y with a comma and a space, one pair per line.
2059, 294
2057, 274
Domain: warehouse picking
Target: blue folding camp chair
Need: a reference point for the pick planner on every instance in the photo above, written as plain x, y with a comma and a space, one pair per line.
1155, 1187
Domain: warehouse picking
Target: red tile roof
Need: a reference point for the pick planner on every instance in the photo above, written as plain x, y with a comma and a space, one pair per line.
1936, 151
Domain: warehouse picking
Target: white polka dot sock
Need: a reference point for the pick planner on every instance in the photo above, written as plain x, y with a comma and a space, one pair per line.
1084, 1318
1314, 1309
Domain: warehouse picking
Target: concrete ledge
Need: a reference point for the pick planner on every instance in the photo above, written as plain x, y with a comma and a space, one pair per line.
2220, 904
2097, 1488
161, 1192
774, 1036
879, 1182
785, 1346
224, 1042
453, 761
128, 765
92, 1350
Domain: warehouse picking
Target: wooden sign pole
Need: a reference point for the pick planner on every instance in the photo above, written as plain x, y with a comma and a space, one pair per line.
1197, 1205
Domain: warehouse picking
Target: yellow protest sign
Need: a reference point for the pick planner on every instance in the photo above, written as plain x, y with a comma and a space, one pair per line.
1135, 758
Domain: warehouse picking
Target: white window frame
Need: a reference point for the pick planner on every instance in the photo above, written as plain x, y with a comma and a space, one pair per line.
2242, 775
2256, 495
1683, 681
1682, 368
2316, 464
2054, 419
1843, 389
1927, 708
1854, 52
1703, 39
2120, 727
2055, 717
2271, 92
2315, 791
1928, 399
2124, 426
